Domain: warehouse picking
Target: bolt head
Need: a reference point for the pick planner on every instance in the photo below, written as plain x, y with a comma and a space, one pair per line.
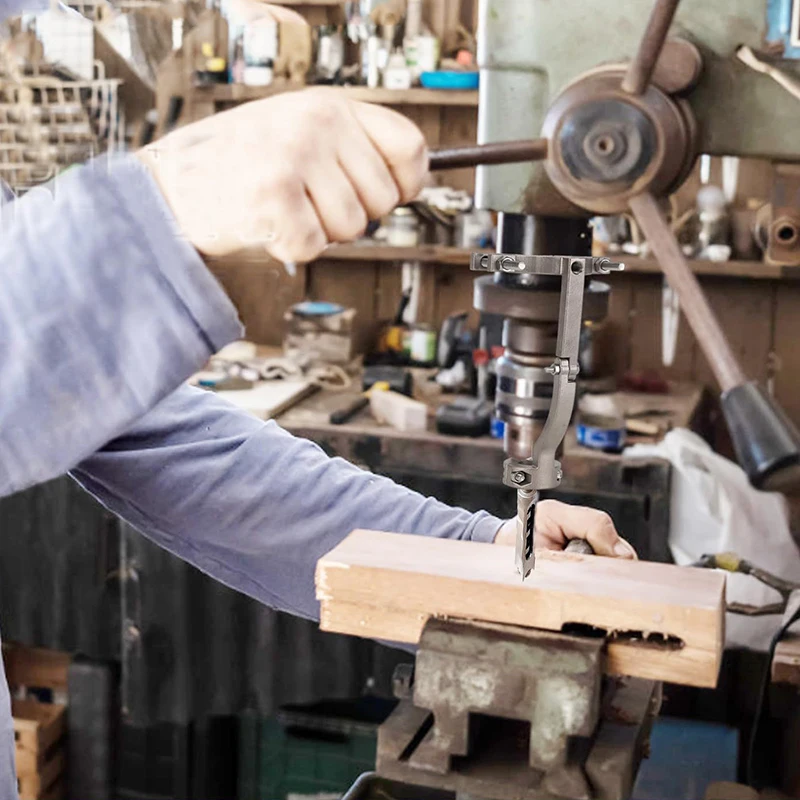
508, 263
518, 477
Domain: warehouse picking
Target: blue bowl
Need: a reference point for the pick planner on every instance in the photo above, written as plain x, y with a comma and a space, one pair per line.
449, 79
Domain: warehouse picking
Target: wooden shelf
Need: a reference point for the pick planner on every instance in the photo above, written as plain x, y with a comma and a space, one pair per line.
456, 256
719, 269
236, 93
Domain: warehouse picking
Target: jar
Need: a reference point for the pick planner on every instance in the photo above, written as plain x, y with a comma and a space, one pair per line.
402, 228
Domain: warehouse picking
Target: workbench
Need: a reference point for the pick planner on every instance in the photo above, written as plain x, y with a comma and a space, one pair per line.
468, 471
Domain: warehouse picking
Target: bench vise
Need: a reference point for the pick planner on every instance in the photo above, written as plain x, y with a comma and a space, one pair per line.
507, 713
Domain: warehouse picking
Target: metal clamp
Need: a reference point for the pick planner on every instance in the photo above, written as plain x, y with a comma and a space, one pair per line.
540, 265
523, 475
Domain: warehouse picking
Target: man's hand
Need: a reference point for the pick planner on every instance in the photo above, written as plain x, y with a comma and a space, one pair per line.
290, 173
557, 523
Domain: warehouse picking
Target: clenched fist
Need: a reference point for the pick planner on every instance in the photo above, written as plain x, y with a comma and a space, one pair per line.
291, 173
557, 523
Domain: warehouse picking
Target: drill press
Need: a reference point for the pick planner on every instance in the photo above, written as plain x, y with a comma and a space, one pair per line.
615, 139
583, 140
542, 299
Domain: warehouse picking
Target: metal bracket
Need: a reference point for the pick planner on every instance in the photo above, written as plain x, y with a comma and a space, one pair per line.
540, 265
522, 474
543, 471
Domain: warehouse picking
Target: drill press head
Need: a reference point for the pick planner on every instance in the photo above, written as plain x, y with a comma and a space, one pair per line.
543, 300
620, 137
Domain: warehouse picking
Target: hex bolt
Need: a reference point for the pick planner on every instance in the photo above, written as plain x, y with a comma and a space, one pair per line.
518, 477
507, 263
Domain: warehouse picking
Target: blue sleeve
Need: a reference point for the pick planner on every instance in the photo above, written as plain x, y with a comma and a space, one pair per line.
104, 311
250, 504
13, 8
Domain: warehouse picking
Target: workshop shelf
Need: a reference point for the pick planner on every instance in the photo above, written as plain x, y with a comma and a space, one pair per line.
457, 256
238, 93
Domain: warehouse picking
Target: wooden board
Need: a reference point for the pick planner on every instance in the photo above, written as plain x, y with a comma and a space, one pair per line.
744, 309
269, 398
786, 334
38, 747
386, 585
44, 784
37, 726
35, 667
786, 664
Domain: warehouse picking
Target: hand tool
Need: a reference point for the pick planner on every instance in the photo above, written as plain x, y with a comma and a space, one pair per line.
342, 415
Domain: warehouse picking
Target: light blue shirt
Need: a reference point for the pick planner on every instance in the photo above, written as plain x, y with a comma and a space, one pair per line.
104, 312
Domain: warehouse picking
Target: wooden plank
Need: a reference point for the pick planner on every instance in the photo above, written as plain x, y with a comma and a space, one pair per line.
454, 293
745, 312
37, 725
615, 333
236, 93
457, 256
786, 663
353, 286
459, 127
414, 97
261, 289
35, 667
427, 118
645, 334
32, 786
722, 269
385, 585
389, 290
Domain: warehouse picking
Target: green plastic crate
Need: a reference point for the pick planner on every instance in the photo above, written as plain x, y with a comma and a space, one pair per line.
311, 750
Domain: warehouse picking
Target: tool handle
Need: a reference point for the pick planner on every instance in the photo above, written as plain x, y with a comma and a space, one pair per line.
341, 415
496, 153
640, 70
580, 546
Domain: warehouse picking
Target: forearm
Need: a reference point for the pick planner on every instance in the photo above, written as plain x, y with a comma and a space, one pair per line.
250, 504
104, 310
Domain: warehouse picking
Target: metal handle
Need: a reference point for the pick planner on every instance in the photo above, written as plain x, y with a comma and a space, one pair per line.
579, 546
699, 314
495, 153
640, 70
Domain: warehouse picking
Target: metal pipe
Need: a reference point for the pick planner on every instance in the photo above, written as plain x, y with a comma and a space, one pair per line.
495, 153
640, 70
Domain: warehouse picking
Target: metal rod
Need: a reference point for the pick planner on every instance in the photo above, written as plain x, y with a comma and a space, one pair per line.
640, 70
496, 153
694, 304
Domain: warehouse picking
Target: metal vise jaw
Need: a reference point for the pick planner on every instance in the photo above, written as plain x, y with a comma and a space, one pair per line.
512, 713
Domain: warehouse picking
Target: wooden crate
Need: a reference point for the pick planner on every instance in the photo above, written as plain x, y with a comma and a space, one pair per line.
35, 667
38, 734
39, 728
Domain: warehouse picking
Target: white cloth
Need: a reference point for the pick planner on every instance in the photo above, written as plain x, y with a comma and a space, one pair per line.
714, 509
